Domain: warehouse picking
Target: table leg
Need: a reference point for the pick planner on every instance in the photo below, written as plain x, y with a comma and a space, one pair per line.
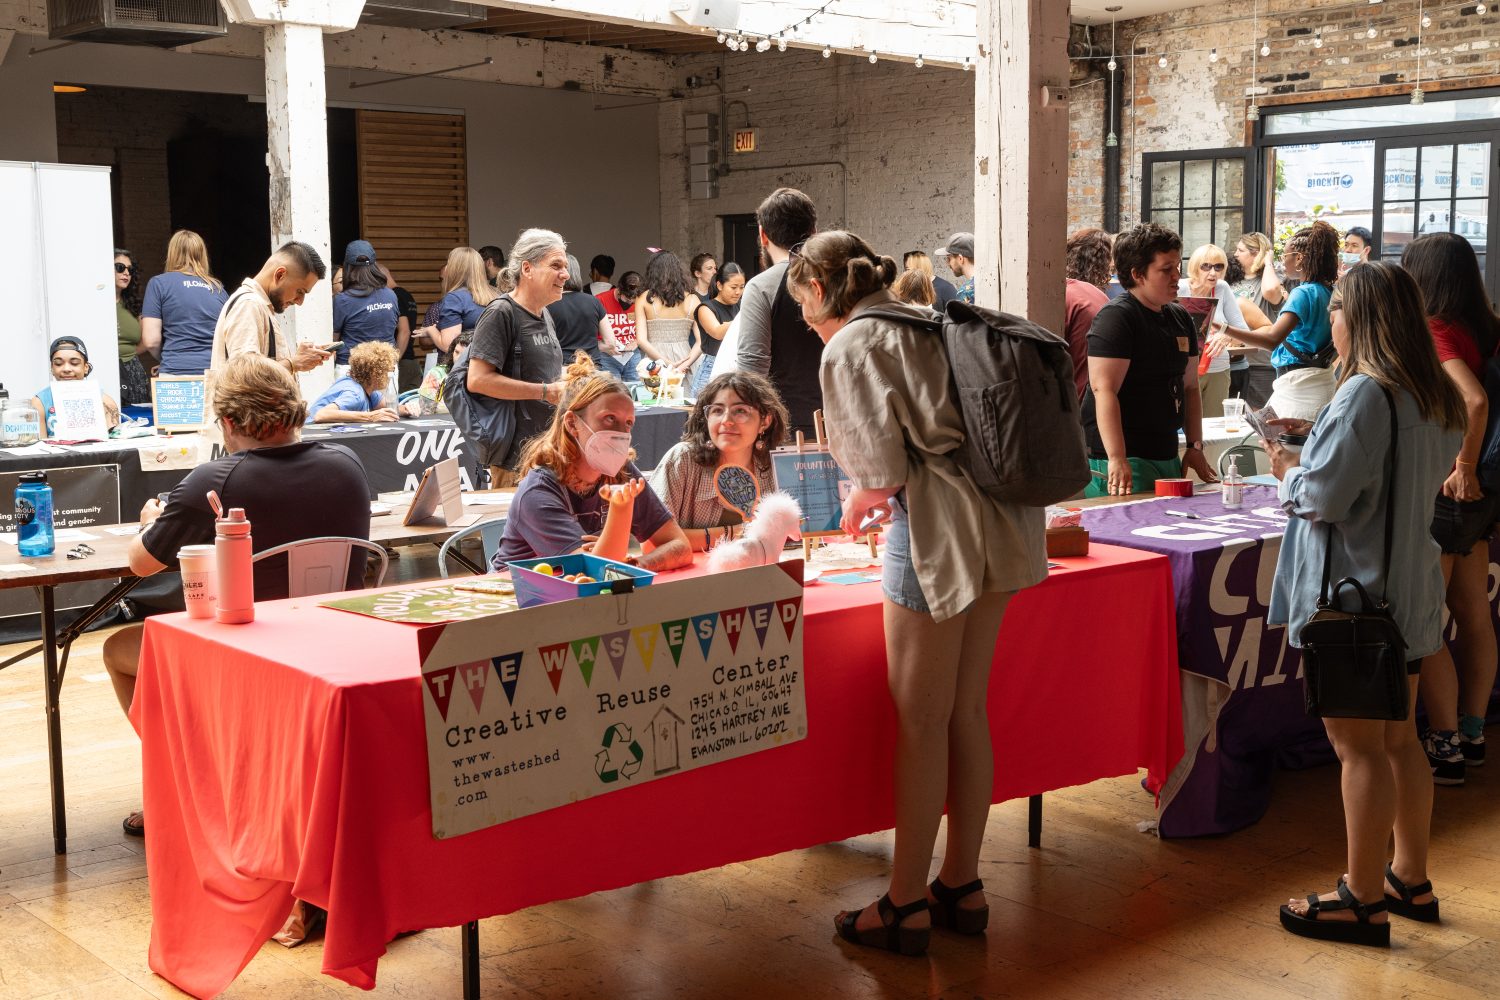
54, 720
470, 952
1034, 822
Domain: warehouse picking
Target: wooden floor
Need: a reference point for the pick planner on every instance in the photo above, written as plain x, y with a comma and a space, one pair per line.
1101, 911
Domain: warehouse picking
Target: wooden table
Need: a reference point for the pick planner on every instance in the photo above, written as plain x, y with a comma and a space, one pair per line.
111, 560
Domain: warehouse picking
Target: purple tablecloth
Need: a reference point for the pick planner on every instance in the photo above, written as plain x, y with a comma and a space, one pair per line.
1242, 691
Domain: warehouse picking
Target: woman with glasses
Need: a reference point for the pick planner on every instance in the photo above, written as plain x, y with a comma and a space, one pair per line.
1205, 279
737, 420
135, 383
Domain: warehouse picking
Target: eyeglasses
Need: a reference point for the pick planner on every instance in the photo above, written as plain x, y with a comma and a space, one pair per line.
1212, 267
122, 268
739, 414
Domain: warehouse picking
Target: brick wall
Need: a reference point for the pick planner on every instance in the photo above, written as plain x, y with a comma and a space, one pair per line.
884, 150
1196, 102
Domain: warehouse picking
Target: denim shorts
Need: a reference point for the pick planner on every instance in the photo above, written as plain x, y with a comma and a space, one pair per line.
898, 578
1458, 526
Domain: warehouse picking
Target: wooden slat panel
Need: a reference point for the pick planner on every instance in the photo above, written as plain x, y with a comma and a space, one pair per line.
414, 193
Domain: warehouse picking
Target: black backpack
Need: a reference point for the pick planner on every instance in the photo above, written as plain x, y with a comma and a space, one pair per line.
1013, 381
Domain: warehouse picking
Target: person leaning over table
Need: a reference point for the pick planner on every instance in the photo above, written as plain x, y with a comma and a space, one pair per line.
69, 360
579, 493
1335, 493
1299, 340
290, 490
954, 556
737, 419
1143, 373
359, 397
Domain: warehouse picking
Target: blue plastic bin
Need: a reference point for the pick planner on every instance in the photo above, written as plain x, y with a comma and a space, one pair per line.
611, 577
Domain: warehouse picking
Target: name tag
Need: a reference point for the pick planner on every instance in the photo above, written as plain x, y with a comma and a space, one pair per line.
1182, 344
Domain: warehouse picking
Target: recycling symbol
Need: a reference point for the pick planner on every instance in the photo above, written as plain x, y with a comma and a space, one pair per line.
618, 736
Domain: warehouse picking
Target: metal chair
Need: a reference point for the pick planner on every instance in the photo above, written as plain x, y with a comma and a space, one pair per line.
321, 565
1253, 461
489, 533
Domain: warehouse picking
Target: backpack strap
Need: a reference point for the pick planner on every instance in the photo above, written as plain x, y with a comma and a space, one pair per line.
229, 303
933, 323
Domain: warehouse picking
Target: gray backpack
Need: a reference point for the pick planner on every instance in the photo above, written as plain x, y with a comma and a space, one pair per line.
1013, 381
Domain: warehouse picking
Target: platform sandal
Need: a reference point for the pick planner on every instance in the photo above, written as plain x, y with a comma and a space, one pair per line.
890, 936
1402, 904
1358, 931
947, 913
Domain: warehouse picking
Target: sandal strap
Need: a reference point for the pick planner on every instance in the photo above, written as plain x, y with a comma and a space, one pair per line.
892, 915
1405, 893
1348, 901
949, 895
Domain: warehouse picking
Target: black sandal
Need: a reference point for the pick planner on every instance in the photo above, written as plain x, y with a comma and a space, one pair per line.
1359, 931
947, 912
891, 936
135, 824
1403, 906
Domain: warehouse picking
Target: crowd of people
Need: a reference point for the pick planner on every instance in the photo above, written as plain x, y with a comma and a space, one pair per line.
542, 374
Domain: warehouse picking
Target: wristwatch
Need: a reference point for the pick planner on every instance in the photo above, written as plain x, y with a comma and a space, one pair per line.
1195, 446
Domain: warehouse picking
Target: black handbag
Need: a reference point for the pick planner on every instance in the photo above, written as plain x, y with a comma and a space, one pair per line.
1354, 662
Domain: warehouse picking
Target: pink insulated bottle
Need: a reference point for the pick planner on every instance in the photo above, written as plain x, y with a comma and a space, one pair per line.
234, 553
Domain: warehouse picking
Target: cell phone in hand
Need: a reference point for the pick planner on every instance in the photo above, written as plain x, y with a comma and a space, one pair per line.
333, 346
161, 498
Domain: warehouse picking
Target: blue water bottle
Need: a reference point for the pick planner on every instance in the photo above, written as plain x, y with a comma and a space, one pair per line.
34, 515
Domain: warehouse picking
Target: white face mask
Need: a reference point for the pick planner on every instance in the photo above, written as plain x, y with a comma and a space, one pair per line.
1349, 259
606, 451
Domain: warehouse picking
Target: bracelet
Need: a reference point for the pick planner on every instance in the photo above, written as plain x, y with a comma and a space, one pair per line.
707, 541
544, 392
1459, 461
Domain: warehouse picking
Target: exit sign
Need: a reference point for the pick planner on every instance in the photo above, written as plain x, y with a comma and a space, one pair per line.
744, 140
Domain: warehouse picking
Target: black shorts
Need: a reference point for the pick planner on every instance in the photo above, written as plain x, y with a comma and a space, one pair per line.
1458, 525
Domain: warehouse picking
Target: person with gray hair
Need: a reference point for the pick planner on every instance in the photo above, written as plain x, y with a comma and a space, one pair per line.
502, 391
578, 317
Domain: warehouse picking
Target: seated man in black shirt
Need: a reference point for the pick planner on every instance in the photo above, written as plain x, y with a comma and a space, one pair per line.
289, 489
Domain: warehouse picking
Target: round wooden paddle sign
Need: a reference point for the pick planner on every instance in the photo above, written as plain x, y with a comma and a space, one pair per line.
738, 489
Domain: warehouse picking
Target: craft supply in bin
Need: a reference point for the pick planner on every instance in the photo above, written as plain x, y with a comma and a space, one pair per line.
610, 577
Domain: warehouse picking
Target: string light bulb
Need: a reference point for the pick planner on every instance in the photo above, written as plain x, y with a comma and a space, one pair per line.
1318, 39
1162, 62
919, 62
780, 43
1112, 65
1371, 32
1252, 114
1480, 8
763, 45
1265, 48
968, 66
1213, 55
721, 38
1426, 21
827, 52
1111, 140
874, 58
1417, 96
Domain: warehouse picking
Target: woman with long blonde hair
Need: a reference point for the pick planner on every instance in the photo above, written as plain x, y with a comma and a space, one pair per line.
579, 492
182, 307
1360, 505
466, 291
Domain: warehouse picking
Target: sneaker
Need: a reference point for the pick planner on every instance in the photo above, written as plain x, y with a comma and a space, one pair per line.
1473, 749
1444, 755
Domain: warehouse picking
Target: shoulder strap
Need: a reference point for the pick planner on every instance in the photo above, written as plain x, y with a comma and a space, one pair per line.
230, 302
934, 323
1390, 518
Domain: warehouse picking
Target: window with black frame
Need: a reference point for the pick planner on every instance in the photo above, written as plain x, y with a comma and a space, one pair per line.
1202, 195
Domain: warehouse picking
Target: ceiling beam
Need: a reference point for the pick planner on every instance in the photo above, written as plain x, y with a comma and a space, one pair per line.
940, 31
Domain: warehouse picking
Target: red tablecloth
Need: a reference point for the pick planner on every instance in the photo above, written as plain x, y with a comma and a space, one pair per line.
287, 759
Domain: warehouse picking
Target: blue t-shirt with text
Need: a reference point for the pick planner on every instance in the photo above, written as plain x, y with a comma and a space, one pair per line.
345, 394
459, 309
360, 319
1309, 303
188, 307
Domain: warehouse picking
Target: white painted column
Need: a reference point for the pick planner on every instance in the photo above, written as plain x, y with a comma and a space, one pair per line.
1021, 185
297, 158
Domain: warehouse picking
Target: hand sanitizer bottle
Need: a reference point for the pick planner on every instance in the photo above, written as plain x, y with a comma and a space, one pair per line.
1232, 490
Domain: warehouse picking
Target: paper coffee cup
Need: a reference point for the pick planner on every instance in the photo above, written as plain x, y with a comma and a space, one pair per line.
199, 579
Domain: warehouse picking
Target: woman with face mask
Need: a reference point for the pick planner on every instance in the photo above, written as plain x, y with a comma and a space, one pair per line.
579, 492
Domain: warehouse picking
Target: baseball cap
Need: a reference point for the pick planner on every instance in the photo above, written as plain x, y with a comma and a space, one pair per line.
959, 243
359, 252
68, 344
